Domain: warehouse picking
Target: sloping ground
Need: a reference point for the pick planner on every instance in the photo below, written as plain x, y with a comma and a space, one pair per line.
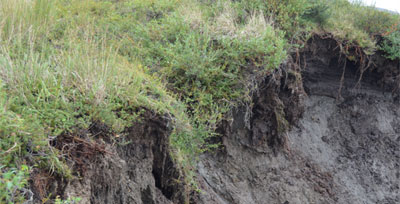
344, 149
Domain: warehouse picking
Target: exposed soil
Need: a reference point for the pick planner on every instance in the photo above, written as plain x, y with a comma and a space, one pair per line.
317, 132
344, 149
137, 169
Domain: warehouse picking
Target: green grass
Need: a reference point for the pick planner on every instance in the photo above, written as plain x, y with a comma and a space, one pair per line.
68, 63
357, 24
12, 183
60, 72
391, 42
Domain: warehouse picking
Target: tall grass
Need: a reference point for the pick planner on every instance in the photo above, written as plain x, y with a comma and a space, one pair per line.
358, 24
59, 72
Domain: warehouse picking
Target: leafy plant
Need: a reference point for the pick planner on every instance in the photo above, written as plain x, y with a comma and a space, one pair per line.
391, 43
318, 12
12, 183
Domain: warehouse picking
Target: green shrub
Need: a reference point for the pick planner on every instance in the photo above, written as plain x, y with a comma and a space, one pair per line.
357, 24
391, 43
374, 21
202, 65
12, 183
287, 15
318, 12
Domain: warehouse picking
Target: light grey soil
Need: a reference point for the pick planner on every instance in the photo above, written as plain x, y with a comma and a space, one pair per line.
339, 153
357, 142
344, 149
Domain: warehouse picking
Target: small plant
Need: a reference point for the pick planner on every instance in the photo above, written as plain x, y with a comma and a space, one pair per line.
391, 43
318, 12
73, 200
12, 183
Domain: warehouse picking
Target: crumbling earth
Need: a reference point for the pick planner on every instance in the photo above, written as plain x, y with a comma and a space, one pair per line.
315, 133
344, 149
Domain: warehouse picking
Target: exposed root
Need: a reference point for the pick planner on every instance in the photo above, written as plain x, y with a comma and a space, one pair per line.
44, 186
352, 53
79, 151
339, 96
362, 68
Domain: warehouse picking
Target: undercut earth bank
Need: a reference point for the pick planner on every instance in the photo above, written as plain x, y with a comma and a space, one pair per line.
316, 132
345, 147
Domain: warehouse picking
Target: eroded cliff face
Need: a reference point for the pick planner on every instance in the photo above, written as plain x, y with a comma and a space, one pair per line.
315, 133
345, 147
135, 169
355, 136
